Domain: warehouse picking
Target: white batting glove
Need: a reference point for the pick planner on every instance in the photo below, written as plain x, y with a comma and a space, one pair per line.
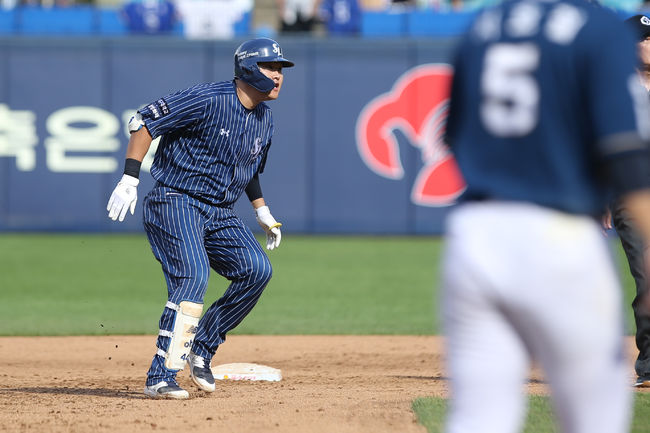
124, 198
270, 226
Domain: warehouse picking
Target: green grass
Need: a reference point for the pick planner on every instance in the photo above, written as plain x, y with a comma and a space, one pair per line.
85, 284
431, 413
89, 284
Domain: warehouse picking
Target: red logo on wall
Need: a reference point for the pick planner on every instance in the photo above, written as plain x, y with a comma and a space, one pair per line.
417, 105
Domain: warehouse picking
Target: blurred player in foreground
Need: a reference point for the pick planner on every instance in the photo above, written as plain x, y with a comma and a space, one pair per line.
632, 243
545, 110
214, 141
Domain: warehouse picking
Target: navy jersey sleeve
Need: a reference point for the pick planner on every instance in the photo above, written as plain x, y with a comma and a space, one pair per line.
175, 111
611, 78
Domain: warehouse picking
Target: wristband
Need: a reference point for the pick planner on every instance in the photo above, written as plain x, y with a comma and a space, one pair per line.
132, 167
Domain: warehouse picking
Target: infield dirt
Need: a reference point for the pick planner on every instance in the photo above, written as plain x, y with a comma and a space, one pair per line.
330, 384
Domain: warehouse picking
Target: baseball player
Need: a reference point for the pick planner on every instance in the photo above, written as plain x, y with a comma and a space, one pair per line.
630, 240
214, 141
545, 112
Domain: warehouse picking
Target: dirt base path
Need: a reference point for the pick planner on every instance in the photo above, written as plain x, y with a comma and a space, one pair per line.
330, 384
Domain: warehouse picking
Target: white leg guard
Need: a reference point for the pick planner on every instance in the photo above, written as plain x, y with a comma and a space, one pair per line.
182, 335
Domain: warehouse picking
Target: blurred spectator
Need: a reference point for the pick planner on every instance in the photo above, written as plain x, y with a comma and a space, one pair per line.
10, 4
297, 15
402, 4
150, 16
212, 19
341, 17
376, 5
456, 5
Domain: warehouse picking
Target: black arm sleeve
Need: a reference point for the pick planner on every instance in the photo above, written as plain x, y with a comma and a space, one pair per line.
253, 189
266, 153
629, 173
626, 163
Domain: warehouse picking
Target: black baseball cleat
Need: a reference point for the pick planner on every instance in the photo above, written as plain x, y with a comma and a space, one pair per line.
166, 390
200, 372
642, 381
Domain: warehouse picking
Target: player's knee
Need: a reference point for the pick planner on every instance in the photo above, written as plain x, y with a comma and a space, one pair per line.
265, 274
191, 284
186, 277
261, 271
197, 278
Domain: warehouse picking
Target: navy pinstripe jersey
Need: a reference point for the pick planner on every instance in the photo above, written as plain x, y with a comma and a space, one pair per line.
211, 145
541, 90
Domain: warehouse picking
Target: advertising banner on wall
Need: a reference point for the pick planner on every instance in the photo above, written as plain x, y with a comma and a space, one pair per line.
357, 146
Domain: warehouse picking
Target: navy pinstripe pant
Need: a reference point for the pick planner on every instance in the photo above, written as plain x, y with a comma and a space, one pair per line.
188, 237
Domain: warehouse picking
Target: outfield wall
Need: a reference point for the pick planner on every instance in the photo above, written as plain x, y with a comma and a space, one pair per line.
356, 148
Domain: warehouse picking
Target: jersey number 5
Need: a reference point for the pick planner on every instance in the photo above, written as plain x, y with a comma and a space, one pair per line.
509, 107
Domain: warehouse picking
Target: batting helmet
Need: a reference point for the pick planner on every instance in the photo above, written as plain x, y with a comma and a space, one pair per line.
640, 24
250, 53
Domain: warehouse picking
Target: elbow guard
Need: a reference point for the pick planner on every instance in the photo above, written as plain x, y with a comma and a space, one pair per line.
136, 123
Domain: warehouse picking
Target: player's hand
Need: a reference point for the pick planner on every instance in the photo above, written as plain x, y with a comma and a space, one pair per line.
606, 220
124, 197
270, 226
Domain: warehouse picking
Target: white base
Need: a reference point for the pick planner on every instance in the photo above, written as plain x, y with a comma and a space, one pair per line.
245, 371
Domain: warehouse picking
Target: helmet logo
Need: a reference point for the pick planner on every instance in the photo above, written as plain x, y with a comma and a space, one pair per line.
277, 50
246, 54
